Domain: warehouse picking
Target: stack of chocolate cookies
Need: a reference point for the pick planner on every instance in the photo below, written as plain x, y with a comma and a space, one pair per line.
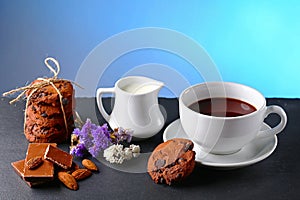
45, 121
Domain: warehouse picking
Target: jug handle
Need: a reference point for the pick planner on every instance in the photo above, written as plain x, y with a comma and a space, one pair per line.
99, 93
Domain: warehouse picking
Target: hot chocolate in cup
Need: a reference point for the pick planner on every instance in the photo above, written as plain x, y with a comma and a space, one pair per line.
222, 117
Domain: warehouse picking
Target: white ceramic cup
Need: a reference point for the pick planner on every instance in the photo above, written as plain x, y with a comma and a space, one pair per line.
226, 135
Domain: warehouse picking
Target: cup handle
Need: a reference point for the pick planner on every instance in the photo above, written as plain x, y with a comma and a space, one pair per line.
277, 129
99, 93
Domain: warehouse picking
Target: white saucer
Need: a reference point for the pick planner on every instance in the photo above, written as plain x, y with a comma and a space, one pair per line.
253, 152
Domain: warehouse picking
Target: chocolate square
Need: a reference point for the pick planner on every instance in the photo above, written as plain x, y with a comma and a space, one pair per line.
19, 169
45, 171
59, 157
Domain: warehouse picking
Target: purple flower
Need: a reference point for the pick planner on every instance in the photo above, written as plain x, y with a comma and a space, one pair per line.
77, 131
121, 135
100, 140
92, 138
78, 150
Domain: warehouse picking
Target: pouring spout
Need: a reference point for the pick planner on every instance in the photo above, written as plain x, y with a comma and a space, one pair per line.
149, 87
160, 84
157, 85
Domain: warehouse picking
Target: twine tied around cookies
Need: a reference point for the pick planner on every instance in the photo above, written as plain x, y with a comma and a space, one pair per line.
32, 88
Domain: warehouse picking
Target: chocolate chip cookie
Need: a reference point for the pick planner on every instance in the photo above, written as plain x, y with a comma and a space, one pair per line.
172, 161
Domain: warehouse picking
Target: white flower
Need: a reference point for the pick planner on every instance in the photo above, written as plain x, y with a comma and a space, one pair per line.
117, 154
135, 149
114, 154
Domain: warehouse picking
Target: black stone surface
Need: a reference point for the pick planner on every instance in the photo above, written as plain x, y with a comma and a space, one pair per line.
277, 177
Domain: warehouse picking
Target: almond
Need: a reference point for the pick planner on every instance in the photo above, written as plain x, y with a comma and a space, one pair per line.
80, 174
34, 162
89, 165
68, 180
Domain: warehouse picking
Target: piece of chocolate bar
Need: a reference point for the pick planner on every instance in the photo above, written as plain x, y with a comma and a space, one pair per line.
46, 170
19, 169
59, 157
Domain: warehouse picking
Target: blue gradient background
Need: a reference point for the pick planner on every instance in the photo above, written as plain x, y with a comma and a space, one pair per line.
252, 42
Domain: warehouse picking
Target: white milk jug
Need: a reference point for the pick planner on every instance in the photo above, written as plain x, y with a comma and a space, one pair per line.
136, 106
